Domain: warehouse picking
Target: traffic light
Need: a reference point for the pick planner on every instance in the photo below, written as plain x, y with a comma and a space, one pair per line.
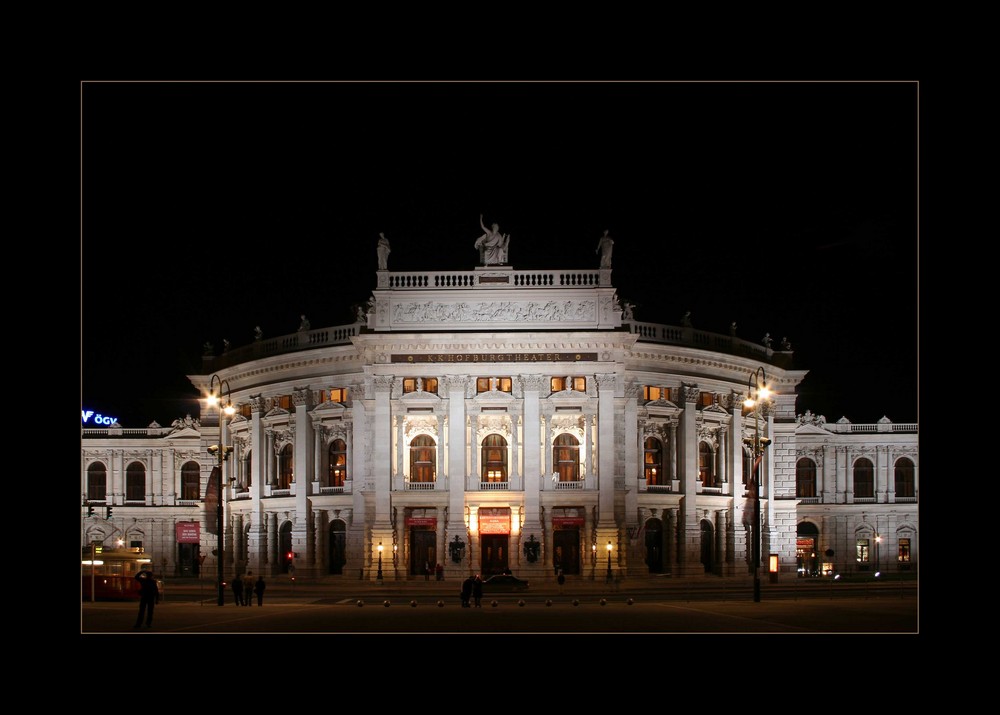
109, 512
90, 510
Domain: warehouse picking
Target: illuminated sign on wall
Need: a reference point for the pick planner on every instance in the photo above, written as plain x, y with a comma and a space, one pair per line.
98, 419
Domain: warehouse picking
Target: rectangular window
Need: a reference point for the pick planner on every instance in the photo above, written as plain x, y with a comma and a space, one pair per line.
862, 553
580, 384
409, 384
706, 399
338, 394
904, 551
482, 384
431, 384
285, 403
650, 392
557, 384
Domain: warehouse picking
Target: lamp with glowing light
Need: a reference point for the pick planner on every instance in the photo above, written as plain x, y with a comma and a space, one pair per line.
757, 392
609, 579
378, 576
225, 410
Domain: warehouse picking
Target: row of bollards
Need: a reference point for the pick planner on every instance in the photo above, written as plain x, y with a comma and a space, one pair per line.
548, 602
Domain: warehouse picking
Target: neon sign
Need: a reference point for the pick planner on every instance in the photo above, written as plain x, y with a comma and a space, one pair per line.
99, 419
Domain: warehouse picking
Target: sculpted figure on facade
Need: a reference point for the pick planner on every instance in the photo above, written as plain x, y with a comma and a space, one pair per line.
383, 251
605, 246
492, 245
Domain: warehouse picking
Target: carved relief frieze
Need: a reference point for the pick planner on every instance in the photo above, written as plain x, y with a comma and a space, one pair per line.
412, 426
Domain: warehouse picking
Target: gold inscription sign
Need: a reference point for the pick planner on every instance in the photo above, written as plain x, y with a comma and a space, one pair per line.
495, 357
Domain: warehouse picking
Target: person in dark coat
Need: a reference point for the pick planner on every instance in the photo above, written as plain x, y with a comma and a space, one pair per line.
466, 591
259, 590
477, 590
148, 592
238, 590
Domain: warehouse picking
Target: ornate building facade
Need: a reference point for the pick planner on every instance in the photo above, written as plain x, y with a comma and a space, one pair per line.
498, 419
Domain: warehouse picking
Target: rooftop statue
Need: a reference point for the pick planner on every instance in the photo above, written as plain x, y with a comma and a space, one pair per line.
605, 246
383, 252
492, 245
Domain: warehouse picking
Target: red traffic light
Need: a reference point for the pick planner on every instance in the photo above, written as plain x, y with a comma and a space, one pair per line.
289, 555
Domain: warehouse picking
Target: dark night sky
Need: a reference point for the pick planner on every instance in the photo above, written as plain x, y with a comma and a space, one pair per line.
789, 208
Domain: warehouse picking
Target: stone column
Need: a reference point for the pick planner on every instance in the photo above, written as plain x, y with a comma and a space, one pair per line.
302, 541
381, 468
454, 386
590, 472
259, 444
400, 448
531, 386
688, 531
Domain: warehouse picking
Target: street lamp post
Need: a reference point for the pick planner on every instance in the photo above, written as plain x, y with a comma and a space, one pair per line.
757, 392
593, 562
226, 409
878, 540
609, 563
378, 576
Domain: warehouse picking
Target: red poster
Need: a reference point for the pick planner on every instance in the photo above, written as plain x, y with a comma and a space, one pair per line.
188, 532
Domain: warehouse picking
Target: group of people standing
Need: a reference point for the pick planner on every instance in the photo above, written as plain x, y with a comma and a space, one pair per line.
472, 590
244, 587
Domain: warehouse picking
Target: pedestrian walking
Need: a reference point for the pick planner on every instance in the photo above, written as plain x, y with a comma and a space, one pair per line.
238, 590
466, 591
259, 590
148, 591
439, 571
561, 579
248, 589
427, 570
477, 590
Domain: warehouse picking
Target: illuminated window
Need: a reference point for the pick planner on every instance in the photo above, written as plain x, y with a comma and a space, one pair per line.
558, 384
97, 482
566, 457
338, 394
706, 399
904, 478
864, 479
862, 551
244, 410
654, 462
805, 478
338, 463
135, 482
649, 392
903, 555
485, 384
706, 465
190, 481
423, 457
286, 467
420, 384
285, 403
494, 458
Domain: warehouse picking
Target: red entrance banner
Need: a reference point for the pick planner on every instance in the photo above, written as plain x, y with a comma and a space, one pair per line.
566, 522
188, 532
421, 521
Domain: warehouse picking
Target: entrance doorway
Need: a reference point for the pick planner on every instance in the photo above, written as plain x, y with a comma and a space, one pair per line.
423, 551
493, 553
654, 545
188, 560
708, 546
338, 547
566, 551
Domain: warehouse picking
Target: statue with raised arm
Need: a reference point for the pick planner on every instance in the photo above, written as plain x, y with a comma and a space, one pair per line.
383, 252
605, 246
492, 245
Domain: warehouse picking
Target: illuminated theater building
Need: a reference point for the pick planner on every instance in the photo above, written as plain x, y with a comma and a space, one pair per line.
498, 418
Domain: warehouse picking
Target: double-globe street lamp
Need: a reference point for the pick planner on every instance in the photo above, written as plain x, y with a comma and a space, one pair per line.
227, 410
757, 392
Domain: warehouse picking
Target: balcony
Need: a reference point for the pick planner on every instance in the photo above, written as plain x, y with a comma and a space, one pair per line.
494, 486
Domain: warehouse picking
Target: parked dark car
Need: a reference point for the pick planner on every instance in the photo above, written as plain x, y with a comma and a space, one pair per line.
503, 583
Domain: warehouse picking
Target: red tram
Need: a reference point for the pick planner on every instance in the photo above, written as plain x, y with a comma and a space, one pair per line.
110, 573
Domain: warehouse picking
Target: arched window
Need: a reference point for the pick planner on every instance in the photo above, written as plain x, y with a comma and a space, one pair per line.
747, 466
566, 457
135, 482
905, 486
191, 481
97, 482
286, 467
494, 459
805, 478
338, 462
864, 479
706, 465
423, 458
653, 462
